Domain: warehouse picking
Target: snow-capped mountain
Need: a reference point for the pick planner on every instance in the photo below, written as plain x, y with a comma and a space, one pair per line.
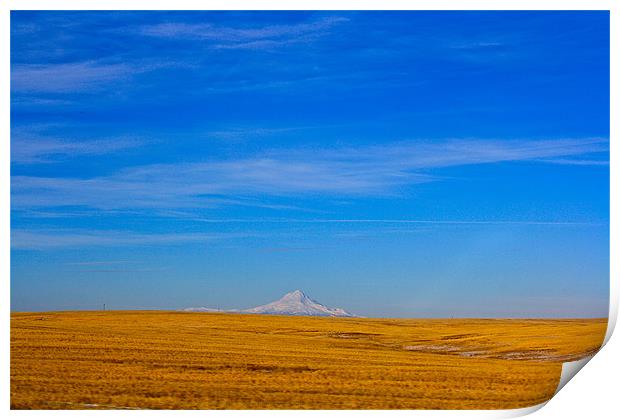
297, 303
293, 303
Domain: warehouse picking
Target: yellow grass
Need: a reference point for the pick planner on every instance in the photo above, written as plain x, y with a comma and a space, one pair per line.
189, 360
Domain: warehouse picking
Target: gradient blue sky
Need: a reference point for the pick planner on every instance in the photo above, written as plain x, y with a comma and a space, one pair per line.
397, 164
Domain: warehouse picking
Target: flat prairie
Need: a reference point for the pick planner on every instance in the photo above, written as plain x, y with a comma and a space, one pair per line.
177, 360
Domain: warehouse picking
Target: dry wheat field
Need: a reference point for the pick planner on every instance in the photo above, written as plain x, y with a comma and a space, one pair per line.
176, 360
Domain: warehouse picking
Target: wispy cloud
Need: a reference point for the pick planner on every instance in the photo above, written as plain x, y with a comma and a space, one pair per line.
25, 239
369, 171
187, 185
80, 76
478, 45
458, 152
119, 266
29, 147
67, 77
61, 64
262, 37
27, 101
287, 249
120, 270
577, 162
404, 222
237, 134
80, 263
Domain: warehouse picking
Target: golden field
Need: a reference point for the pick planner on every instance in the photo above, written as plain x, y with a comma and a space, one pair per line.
152, 359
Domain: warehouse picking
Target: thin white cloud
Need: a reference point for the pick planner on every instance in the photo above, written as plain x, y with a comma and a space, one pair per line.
457, 152
120, 270
191, 184
263, 37
66, 77
366, 171
96, 263
29, 148
577, 162
34, 101
80, 76
25, 239
403, 221
237, 134
477, 45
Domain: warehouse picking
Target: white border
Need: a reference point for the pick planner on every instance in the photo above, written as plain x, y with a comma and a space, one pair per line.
570, 408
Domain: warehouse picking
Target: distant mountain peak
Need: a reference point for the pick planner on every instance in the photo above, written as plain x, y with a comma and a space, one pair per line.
298, 303
296, 295
292, 303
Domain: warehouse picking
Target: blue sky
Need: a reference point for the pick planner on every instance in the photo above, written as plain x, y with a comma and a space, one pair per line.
395, 164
